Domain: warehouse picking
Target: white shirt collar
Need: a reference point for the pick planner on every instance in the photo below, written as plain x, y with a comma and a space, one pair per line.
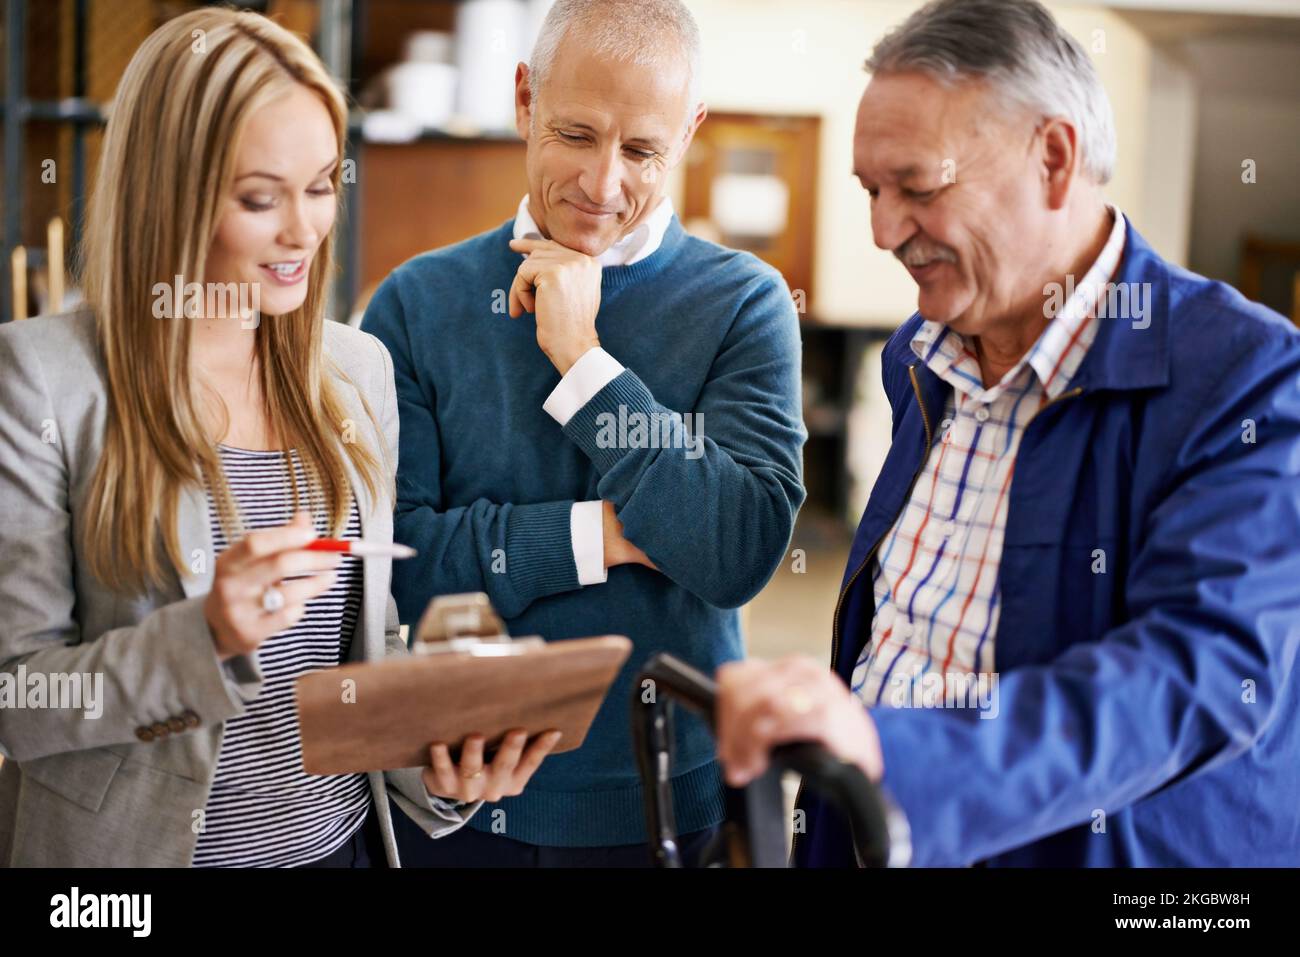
632, 248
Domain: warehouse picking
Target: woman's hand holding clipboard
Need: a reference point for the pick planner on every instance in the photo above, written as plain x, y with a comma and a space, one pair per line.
465, 689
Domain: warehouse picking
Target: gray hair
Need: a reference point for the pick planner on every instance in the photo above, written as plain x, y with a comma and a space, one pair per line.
646, 33
1020, 49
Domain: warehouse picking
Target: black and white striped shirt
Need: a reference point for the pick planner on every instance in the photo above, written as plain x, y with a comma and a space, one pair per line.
264, 810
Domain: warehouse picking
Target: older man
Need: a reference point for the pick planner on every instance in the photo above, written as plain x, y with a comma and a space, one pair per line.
1091, 503
601, 422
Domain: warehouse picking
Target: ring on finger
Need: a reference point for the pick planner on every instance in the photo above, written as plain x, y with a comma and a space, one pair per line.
798, 700
272, 599
471, 777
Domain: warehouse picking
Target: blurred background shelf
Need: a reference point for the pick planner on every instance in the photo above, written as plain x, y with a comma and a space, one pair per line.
1199, 87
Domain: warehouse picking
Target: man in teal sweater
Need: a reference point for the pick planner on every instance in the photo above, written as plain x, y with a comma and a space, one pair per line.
600, 422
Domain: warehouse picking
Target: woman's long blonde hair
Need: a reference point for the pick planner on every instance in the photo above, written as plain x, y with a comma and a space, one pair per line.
167, 164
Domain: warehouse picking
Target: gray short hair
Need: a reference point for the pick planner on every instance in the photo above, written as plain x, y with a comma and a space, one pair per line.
648, 33
1022, 51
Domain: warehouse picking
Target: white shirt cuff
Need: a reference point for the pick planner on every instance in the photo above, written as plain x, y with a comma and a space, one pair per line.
591, 373
587, 529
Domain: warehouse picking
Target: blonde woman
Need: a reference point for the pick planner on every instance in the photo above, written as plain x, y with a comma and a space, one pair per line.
165, 456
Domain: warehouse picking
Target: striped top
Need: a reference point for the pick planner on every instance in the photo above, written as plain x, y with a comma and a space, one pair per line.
264, 810
935, 576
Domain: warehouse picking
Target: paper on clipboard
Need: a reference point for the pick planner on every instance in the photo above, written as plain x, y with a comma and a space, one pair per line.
383, 715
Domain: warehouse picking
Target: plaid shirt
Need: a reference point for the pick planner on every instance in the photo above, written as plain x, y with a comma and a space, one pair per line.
935, 575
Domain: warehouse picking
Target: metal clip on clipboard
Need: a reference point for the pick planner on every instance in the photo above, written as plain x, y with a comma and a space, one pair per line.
467, 624
446, 690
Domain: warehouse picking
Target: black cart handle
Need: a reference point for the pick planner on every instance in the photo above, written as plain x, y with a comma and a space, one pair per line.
878, 828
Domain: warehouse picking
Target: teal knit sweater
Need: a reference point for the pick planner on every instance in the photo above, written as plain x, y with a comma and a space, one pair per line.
486, 480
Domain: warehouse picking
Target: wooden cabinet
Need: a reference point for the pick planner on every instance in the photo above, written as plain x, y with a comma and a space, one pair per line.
751, 181
412, 197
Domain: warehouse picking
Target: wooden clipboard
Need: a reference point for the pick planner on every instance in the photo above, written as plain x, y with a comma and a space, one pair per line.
383, 715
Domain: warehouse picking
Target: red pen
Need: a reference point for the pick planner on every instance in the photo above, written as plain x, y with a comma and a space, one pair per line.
362, 549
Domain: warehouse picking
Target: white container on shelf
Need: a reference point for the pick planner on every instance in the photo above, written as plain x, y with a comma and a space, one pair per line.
424, 92
428, 46
488, 38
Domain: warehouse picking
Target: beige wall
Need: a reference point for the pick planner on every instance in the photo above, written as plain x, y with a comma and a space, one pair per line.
805, 56
1247, 111
1171, 146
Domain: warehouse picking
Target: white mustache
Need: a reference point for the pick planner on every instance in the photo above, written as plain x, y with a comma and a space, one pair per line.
917, 253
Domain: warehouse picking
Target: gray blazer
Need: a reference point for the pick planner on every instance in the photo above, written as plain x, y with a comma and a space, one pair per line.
123, 789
